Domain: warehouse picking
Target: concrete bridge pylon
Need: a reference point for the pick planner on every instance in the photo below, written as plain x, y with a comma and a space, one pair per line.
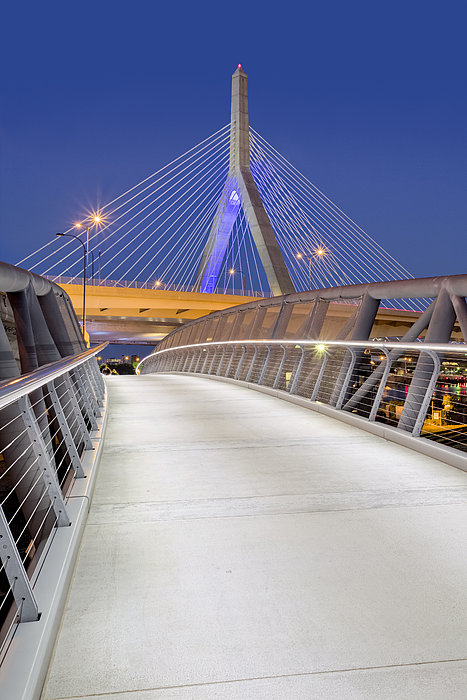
240, 191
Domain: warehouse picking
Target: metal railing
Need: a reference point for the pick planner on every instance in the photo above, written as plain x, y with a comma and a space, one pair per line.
419, 388
48, 418
137, 284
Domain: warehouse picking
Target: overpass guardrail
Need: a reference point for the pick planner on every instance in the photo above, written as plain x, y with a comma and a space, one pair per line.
155, 285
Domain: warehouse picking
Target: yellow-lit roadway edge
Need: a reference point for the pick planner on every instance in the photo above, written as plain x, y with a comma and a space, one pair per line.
130, 314
143, 314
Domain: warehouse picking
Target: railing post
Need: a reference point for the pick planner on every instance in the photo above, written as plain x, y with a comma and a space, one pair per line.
240, 362
86, 405
48, 472
186, 360
213, 358
82, 427
293, 384
16, 574
193, 355
281, 367
205, 361
96, 380
382, 385
66, 432
439, 330
348, 375
221, 360
230, 361
89, 389
314, 393
198, 360
250, 369
417, 429
265, 365
179, 361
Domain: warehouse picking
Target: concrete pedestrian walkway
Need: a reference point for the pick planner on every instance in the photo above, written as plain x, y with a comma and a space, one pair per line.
239, 546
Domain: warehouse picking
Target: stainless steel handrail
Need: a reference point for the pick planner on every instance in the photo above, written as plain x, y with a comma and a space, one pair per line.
49, 418
419, 347
13, 389
347, 384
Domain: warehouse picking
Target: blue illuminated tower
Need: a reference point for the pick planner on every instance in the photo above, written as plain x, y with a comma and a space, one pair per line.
240, 191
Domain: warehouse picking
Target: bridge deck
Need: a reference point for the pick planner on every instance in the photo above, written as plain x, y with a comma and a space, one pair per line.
242, 547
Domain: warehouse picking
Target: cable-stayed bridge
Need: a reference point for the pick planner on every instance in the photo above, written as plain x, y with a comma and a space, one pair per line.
305, 547
230, 220
273, 520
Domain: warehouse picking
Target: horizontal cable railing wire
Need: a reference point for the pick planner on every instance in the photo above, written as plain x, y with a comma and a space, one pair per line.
419, 388
47, 417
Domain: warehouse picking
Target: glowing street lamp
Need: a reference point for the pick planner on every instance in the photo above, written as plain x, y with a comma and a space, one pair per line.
96, 219
232, 272
317, 254
71, 235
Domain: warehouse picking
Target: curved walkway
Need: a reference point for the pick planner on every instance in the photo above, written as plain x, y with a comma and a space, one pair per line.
239, 546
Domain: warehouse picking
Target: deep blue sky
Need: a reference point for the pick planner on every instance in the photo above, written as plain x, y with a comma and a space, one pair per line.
366, 99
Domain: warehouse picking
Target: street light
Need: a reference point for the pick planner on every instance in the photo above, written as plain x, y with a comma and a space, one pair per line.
316, 255
71, 235
96, 218
232, 272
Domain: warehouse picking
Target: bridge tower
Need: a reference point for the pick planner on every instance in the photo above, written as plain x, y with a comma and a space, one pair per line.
240, 191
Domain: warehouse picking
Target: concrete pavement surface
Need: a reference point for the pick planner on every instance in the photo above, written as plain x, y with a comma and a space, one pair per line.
239, 546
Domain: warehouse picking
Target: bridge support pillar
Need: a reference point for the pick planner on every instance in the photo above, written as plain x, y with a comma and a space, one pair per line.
439, 330
241, 190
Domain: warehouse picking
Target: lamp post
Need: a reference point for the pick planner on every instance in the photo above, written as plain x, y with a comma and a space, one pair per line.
316, 255
95, 220
92, 267
232, 272
71, 235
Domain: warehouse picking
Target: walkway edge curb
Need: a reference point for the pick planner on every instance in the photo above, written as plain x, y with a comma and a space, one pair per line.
30, 649
442, 453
